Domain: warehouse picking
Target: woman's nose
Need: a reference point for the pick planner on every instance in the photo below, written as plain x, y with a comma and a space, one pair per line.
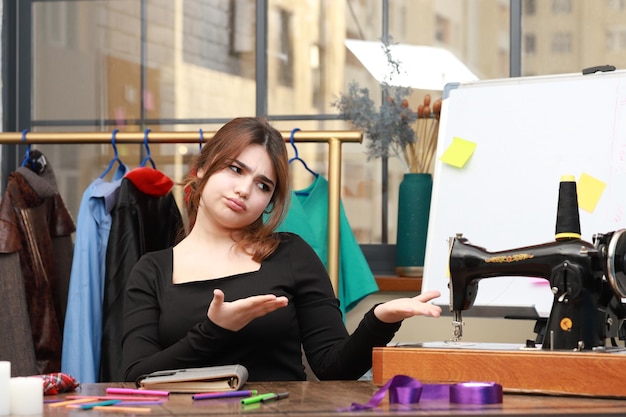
243, 188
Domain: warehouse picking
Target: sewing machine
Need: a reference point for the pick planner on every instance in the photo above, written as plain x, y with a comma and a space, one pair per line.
588, 280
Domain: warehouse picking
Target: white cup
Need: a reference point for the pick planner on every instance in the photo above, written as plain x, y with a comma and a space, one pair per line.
26, 396
5, 377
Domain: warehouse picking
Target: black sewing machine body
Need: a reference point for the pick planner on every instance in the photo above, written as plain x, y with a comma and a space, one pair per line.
585, 307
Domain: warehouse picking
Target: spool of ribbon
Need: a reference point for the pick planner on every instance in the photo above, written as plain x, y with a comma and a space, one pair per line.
406, 390
476, 393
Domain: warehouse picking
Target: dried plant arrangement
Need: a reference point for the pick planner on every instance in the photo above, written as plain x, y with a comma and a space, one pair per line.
393, 129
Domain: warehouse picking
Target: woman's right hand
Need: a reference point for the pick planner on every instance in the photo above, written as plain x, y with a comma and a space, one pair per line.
235, 315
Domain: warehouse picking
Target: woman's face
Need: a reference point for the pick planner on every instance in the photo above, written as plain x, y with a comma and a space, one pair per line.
236, 196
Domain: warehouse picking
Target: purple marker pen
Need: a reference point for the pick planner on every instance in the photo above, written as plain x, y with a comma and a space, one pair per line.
229, 394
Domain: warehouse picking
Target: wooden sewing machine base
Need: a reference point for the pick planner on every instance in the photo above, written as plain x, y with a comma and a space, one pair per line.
517, 370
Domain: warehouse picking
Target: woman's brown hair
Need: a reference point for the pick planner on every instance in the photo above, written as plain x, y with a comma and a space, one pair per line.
218, 153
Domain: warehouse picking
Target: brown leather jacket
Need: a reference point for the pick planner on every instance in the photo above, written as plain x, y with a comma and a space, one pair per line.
35, 224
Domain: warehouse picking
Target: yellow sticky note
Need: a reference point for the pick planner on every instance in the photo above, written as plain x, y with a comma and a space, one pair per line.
458, 153
589, 190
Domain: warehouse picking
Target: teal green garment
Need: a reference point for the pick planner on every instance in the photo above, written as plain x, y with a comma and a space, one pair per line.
308, 217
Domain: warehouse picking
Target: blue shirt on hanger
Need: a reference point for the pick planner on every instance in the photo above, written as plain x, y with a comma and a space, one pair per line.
82, 334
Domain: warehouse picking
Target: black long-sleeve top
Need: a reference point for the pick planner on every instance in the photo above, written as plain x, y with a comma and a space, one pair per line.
166, 325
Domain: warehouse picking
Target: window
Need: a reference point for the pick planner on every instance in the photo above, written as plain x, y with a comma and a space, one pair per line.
191, 64
615, 39
561, 6
58, 24
616, 4
529, 44
529, 7
213, 38
242, 26
315, 56
442, 29
285, 60
561, 43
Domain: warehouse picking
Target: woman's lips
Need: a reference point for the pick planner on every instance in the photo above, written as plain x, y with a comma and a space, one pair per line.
236, 204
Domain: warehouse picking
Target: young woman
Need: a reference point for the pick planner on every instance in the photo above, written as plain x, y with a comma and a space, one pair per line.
235, 292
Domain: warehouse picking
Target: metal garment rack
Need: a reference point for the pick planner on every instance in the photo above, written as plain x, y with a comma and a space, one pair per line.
334, 138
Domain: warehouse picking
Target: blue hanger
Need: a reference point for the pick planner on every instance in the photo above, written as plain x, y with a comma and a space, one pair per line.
148, 157
26, 159
37, 165
297, 157
115, 158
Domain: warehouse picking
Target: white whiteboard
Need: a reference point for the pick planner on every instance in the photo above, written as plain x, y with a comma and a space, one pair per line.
529, 132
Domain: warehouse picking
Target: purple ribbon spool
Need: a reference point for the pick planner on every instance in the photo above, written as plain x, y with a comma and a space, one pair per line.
476, 393
403, 389
405, 395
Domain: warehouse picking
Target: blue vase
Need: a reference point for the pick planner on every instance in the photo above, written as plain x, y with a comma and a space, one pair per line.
413, 212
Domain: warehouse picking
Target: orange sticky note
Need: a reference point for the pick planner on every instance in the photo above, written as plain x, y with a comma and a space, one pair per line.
589, 190
458, 153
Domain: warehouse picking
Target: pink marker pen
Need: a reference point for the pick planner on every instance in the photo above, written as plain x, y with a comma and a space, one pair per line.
131, 391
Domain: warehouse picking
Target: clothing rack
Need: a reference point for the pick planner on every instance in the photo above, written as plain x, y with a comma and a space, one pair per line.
334, 138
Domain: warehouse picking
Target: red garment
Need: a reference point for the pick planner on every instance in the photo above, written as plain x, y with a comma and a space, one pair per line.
150, 181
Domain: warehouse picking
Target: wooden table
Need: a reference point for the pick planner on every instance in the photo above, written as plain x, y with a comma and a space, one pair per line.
326, 398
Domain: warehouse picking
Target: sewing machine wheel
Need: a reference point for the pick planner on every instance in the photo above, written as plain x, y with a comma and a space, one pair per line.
616, 256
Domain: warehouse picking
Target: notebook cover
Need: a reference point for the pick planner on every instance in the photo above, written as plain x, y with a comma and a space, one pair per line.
207, 379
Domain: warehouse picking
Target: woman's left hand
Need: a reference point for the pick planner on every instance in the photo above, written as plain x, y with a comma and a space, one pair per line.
235, 315
399, 309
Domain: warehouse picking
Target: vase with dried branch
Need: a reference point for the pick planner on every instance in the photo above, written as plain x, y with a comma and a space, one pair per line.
394, 129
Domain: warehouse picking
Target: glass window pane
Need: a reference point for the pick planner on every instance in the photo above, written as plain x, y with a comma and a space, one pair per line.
86, 60
96, 66
205, 59
192, 59
570, 35
310, 39
102, 64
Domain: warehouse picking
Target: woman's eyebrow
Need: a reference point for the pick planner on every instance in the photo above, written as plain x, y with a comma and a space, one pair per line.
247, 168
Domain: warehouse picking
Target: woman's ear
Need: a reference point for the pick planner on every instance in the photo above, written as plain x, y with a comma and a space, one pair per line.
200, 173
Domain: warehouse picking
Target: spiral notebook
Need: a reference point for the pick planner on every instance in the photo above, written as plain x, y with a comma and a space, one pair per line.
207, 379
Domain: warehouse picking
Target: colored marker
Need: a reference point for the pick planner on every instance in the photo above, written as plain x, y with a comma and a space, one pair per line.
139, 402
93, 398
256, 398
72, 402
228, 394
131, 391
276, 397
115, 409
89, 406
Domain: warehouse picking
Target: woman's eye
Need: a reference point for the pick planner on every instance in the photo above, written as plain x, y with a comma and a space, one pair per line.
264, 187
235, 168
